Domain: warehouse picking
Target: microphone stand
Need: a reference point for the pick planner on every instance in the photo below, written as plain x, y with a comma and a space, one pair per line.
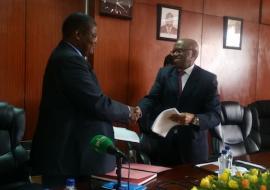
118, 172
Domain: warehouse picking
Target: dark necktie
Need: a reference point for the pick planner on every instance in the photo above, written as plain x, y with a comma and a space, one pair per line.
181, 73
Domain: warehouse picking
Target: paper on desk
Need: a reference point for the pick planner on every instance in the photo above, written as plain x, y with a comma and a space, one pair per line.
213, 167
163, 124
207, 163
125, 135
251, 164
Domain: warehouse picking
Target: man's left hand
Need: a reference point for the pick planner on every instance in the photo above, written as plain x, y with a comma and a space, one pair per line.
183, 119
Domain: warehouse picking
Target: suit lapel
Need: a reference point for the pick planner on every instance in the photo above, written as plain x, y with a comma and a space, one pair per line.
173, 87
173, 80
66, 45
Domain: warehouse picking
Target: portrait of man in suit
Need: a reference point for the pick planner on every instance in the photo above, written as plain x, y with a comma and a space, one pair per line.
169, 27
169, 23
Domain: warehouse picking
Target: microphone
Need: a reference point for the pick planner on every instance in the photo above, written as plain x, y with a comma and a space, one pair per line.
103, 144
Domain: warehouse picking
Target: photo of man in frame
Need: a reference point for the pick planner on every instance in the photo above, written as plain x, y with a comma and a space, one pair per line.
169, 23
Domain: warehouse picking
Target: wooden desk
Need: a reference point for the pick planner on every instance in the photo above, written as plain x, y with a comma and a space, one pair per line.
261, 158
186, 176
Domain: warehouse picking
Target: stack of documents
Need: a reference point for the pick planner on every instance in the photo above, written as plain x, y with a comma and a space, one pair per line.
163, 123
139, 173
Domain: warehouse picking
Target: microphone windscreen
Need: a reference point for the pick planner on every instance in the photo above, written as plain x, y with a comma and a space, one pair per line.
101, 143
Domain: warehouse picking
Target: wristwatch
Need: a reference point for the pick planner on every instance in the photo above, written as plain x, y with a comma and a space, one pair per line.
196, 121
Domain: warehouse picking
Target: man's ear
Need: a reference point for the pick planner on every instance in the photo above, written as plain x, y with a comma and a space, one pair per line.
77, 35
195, 53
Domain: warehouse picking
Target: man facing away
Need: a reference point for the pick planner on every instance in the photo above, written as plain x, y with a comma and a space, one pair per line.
193, 91
74, 109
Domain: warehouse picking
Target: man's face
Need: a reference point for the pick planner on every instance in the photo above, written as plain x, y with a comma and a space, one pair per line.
169, 22
88, 40
183, 55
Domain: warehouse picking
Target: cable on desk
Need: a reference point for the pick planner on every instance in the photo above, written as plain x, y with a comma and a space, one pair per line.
128, 173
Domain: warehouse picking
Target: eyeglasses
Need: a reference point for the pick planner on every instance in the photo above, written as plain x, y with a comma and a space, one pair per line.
180, 51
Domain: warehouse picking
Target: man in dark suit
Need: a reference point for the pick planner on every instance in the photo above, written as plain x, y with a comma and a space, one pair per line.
193, 91
74, 109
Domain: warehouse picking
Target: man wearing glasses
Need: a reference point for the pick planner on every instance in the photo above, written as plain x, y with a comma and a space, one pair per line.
73, 110
193, 91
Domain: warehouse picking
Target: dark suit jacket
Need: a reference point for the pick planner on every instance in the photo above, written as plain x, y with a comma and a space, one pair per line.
184, 144
73, 110
168, 60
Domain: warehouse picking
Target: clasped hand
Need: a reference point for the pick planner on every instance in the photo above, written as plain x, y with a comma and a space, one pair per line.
183, 118
135, 113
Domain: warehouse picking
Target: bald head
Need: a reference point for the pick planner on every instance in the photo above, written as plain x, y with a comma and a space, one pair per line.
185, 52
187, 43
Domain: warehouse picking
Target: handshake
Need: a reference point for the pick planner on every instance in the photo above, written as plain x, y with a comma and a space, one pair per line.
135, 113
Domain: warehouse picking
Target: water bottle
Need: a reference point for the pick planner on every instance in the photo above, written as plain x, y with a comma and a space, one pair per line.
70, 184
222, 161
229, 156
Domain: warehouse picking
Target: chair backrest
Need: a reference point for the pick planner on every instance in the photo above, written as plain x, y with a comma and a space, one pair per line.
238, 129
6, 157
13, 157
261, 109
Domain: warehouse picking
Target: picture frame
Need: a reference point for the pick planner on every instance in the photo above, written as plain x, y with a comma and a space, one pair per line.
232, 32
168, 22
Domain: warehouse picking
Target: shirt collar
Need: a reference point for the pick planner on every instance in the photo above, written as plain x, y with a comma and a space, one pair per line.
76, 49
189, 69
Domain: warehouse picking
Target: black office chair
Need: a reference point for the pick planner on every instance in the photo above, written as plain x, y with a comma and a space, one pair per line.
14, 170
239, 129
137, 153
147, 151
261, 109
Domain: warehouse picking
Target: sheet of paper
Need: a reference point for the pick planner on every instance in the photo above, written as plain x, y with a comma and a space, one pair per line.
207, 163
125, 135
209, 166
163, 124
213, 167
250, 164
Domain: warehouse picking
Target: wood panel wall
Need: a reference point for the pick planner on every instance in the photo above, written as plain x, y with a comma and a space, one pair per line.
111, 58
29, 30
146, 53
263, 68
127, 55
207, 28
265, 12
12, 51
43, 32
237, 70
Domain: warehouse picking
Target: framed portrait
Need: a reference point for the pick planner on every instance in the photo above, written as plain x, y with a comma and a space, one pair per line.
232, 32
168, 22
